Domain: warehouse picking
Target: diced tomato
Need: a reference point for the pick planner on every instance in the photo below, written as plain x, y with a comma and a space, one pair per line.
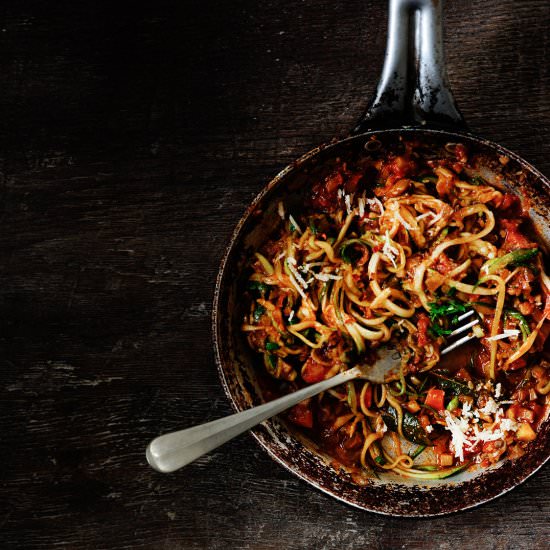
367, 397
514, 239
301, 414
324, 193
435, 399
510, 205
461, 153
423, 324
444, 186
398, 167
313, 371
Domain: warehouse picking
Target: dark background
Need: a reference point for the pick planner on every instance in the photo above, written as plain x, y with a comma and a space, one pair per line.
131, 141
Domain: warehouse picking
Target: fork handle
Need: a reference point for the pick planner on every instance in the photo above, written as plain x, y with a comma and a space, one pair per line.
171, 451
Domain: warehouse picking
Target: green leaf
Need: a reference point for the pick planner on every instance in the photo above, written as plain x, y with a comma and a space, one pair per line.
451, 386
258, 289
444, 309
412, 429
259, 310
477, 180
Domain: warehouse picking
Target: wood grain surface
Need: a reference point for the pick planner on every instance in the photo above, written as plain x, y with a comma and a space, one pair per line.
131, 140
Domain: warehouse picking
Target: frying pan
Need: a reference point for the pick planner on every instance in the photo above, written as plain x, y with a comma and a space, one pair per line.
412, 101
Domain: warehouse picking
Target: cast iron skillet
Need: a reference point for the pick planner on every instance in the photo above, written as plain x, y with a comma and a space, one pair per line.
412, 101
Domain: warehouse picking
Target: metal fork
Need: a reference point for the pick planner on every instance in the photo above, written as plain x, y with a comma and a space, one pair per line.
172, 451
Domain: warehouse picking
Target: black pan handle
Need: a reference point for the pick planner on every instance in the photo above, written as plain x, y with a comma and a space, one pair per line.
413, 90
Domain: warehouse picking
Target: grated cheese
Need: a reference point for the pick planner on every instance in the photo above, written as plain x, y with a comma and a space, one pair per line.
294, 223
498, 389
327, 276
347, 200
490, 407
376, 202
508, 333
508, 425
291, 316
361, 203
390, 251
291, 263
406, 225
281, 210
458, 428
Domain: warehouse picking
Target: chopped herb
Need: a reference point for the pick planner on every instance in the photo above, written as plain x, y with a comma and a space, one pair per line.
451, 292
437, 330
270, 362
312, 227
380, 460
477, 180
452, 386
258, 288
259, 310
271, 346
452, 307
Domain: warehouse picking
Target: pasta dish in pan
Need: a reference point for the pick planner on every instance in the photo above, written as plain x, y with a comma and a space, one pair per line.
394, 248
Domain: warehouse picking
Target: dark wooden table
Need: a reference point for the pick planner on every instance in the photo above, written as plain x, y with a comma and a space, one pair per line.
131, 141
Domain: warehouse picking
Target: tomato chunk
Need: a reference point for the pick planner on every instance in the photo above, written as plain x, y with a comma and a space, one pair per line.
367, 397
435, 399
301, 414
313, 371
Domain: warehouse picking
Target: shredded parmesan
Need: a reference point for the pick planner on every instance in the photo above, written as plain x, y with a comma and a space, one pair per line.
291, 316
508, 425
361, 203
376, 202
498, 390
294, 223
291, 262
281, 210
506, 334
347, 200
458, 428
327, 276
390, 251
490, 407
404, 223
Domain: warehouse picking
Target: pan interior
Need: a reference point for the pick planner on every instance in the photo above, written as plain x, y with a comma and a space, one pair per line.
241, 371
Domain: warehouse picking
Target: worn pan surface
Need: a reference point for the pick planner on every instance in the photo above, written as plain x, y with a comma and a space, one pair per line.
413, 101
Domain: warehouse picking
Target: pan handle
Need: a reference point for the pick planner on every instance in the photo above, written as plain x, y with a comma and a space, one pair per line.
413, 89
